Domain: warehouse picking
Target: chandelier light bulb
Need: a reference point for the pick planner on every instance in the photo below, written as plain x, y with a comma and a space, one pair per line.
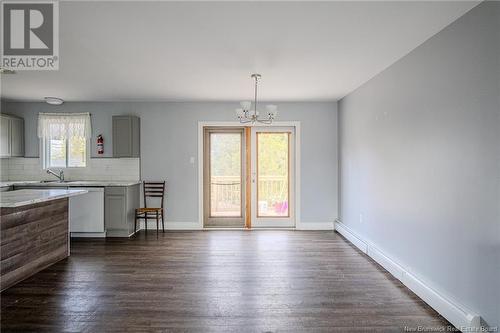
272, 110
246, 105
240, 113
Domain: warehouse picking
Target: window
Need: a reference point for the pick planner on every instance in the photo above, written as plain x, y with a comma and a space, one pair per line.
66, 153
64, 139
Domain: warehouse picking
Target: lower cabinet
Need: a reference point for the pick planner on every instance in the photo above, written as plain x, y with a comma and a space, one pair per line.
120, 203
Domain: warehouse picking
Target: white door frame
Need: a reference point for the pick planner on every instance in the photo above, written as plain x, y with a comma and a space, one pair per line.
202, 124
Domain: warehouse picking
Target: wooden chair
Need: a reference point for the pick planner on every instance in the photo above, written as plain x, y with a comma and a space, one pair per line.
152, 190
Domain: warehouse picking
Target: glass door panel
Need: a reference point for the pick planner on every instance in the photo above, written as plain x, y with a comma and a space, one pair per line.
273, 174
225, 175
272, 177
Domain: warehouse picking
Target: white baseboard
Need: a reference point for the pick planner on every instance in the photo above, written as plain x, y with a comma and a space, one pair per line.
390, 265
344, 231
463, 319
455, 313
169, 225
314, 226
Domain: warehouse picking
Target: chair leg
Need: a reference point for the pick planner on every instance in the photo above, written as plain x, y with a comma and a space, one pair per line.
146, 222
135, 223
157, 223
163, 220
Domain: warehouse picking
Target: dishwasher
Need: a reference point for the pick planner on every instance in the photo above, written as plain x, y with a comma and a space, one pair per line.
86, 213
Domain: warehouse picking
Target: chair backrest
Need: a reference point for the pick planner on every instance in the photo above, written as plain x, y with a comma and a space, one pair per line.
154, 190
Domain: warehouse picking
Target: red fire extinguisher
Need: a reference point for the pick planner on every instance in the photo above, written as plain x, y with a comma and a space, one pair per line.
100, 144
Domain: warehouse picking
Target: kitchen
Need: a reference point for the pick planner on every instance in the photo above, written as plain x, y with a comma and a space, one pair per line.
102, 197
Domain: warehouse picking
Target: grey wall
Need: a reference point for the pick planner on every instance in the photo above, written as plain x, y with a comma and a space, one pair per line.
169, 137
420, 161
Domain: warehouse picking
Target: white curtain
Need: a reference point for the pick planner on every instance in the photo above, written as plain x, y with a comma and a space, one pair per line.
60, 126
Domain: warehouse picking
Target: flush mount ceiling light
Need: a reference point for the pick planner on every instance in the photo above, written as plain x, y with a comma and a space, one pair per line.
246, 116
4, 70
53, 100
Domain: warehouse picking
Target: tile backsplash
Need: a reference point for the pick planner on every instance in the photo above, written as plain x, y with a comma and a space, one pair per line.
23, 168
4, 169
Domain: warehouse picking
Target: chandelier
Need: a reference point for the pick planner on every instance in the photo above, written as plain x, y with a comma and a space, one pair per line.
245, 115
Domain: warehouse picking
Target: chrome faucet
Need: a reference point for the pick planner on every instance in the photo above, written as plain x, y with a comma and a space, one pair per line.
60, 176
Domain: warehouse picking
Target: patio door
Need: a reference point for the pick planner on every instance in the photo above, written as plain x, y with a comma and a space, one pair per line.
272, 177
224, 177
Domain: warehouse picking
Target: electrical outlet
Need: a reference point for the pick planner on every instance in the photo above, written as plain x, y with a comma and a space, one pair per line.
360, 218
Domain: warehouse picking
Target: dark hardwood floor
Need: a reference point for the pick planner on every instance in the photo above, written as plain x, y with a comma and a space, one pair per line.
215, 281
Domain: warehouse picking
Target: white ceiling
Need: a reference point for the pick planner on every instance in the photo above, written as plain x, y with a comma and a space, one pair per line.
157, 51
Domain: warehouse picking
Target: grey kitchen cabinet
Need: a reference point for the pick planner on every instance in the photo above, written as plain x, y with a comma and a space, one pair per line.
4, 136
126, 136
120, 203
17, 136
11, 136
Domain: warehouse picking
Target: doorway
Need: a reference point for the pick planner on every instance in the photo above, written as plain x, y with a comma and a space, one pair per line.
249, 177
224, 174
273, 177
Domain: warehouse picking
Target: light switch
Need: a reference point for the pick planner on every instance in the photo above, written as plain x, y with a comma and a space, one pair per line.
191, 160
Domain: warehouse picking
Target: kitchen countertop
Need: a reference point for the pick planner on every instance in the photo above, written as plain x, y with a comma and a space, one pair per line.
18, 182
12, 199
70, 183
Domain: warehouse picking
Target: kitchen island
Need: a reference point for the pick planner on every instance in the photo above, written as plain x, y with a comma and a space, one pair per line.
34, 231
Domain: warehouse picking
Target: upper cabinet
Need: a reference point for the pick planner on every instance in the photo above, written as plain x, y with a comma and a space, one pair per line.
11, 136
126, 136
4, 136
16, 136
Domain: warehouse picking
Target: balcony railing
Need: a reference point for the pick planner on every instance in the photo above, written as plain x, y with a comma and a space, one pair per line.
225, 196
226, 193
